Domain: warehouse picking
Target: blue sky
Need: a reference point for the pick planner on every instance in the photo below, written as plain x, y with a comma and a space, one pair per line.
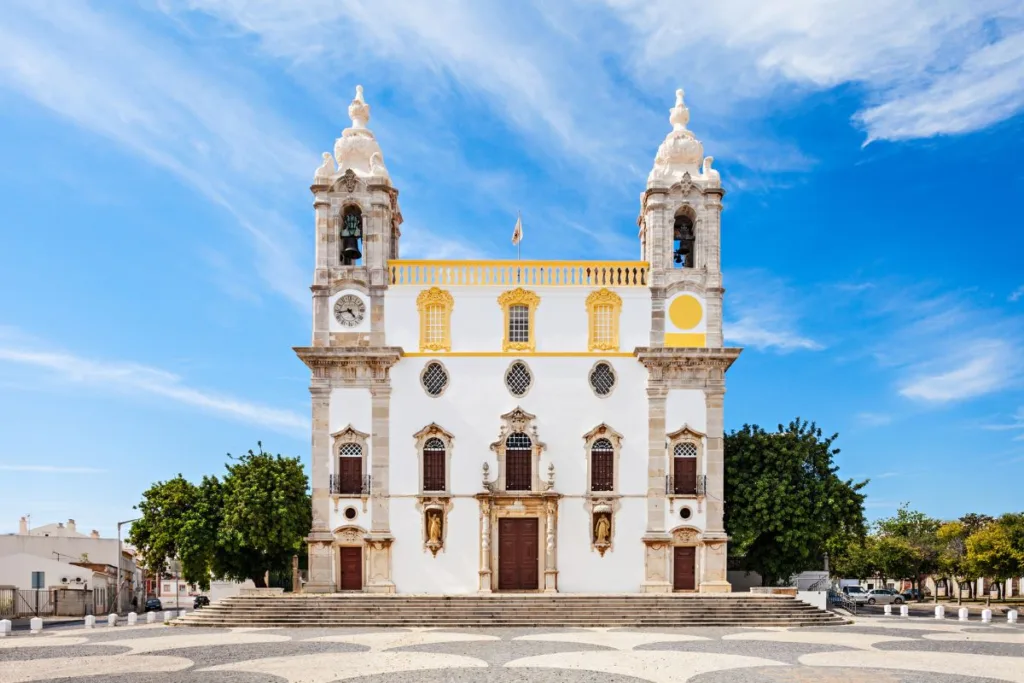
156, 224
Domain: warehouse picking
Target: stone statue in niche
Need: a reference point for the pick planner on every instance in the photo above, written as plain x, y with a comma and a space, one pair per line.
602, 532
434, 530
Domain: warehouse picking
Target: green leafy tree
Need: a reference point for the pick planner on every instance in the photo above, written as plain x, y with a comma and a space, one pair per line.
919, 533
857, 559
952, 537
785, 504
179, 521
996, 550
266, 514
895, 558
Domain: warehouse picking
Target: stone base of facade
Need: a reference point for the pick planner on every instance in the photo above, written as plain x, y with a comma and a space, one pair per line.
321, 564
715, 587
378, 575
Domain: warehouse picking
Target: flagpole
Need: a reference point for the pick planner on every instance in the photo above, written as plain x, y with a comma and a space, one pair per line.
519, 243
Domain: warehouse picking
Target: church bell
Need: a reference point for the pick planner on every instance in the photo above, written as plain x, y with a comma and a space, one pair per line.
350, 249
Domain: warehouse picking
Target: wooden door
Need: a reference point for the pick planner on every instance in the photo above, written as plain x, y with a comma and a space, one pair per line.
684, 476
684, 569
517, 554
351, 569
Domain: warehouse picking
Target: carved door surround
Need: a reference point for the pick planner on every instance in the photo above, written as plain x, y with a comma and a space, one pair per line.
690, 539
495, 506
347, 540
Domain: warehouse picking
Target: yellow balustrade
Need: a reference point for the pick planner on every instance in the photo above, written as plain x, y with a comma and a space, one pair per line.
518, 273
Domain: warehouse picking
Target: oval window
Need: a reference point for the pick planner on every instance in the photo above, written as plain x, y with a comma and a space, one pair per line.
602, 379
518, 379
434, 378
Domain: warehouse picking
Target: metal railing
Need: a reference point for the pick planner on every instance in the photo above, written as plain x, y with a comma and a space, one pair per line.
675, 487
506, 273
340, 487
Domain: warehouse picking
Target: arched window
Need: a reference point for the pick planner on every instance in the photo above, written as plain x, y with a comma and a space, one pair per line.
683, 239
350, 469
603, 309
518, 465
435, 306
433, 465
684, 469
602, 472
351, 235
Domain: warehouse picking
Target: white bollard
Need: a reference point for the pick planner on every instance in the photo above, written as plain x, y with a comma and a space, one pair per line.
133, 618
181, 613
1011, 617
887, 610
904, 611
986, 615
962, 612
111, 620
168, 615
5, 627
150, 617
940, 612
90, 621
35, 624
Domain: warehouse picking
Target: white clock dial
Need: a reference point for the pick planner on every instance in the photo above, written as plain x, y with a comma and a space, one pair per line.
349, 310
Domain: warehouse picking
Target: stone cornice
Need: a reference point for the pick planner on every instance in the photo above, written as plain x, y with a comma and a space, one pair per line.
708, 359
359, 366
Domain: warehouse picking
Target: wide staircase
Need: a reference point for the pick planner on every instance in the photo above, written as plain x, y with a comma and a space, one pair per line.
510, 610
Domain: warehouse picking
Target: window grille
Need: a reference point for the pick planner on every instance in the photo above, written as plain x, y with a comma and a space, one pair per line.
602, 457
686, 450
433, 465
435, 324
602, 379
604, 319
435, 379
518, 465
518, 379
351, 450
519, 323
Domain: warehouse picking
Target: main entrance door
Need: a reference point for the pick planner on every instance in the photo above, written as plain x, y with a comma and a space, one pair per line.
517, 554
684, 568
351, 569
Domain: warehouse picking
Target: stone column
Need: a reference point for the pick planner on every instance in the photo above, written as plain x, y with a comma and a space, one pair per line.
321, 315
714, 576
321, 568
550, 549
656, 539
485, 546
379, 539
657, 317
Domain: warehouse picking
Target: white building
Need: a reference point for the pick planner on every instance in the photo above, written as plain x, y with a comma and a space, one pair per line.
489, 426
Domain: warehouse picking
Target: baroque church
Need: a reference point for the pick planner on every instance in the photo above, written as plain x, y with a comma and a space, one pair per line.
517, 425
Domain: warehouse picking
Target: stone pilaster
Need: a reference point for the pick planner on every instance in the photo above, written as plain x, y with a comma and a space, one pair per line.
714, 576
485, 545
321, 566
713, 301
379, 539
377, 315
657, 317
550, 548
321, 315
656, 540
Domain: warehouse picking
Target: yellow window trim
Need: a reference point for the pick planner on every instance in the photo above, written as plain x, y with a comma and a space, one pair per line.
603, 297
519, 297
436, 297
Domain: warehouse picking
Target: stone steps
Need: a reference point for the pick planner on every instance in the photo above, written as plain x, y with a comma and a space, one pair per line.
361, 610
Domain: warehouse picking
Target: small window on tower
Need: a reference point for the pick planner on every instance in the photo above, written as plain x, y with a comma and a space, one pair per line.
684, 238
351, 235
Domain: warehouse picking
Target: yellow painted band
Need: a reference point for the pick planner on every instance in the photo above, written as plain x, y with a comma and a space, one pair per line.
678, 340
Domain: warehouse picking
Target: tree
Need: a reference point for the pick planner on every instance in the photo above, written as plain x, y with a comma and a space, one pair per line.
952, 537
785, 505
179, 521
266, 514
919, 533
996, 550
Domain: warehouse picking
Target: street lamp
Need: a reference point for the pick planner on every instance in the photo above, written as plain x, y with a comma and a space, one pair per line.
117, 586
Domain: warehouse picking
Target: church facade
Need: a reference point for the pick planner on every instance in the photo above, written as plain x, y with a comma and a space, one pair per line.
544, 426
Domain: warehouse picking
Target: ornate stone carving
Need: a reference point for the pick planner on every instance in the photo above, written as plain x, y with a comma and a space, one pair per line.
435, 301
349, 535
709, 173
681, 152
325, 171
357, 149
350, 366
518, 421
686, 536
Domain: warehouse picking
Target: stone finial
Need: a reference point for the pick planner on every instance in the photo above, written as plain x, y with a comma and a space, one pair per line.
551, 475
326, 168
679, 115
359, 110
680, 153
709, 173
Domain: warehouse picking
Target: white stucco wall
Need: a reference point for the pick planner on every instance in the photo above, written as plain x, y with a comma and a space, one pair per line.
16, 570
350, 407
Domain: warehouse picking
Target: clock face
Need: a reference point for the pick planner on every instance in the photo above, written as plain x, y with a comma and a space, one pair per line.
349, 310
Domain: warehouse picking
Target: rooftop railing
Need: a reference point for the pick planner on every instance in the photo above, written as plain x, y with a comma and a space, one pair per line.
518, 273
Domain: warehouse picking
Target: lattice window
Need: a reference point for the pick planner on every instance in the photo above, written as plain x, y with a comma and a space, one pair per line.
602, 379
434, 379
602, 457
604, 316
351, 450
518, 379
686, 450
518, 462
435, 308
604, 308
519, 323
435, 326
433, 465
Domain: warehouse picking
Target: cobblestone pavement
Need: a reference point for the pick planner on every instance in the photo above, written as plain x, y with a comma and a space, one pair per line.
873, 650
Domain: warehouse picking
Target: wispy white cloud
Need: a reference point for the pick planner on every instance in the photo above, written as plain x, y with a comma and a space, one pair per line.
1016, 295
134, 378
990, 365
869, 419
51, 469
762, 311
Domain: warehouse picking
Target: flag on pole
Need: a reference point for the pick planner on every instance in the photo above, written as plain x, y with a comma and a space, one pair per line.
517, 234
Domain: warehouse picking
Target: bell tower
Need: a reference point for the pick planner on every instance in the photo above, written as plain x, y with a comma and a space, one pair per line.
680, 237
357, 231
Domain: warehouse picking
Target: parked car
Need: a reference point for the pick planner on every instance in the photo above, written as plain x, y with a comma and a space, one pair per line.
848, 590
914, 594
878, 596
200, 601
154, 605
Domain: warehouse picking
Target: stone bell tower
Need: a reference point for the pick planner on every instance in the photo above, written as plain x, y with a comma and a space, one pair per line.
680, 237
357, 232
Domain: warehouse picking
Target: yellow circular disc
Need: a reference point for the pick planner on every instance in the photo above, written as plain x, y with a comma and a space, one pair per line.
685, 312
